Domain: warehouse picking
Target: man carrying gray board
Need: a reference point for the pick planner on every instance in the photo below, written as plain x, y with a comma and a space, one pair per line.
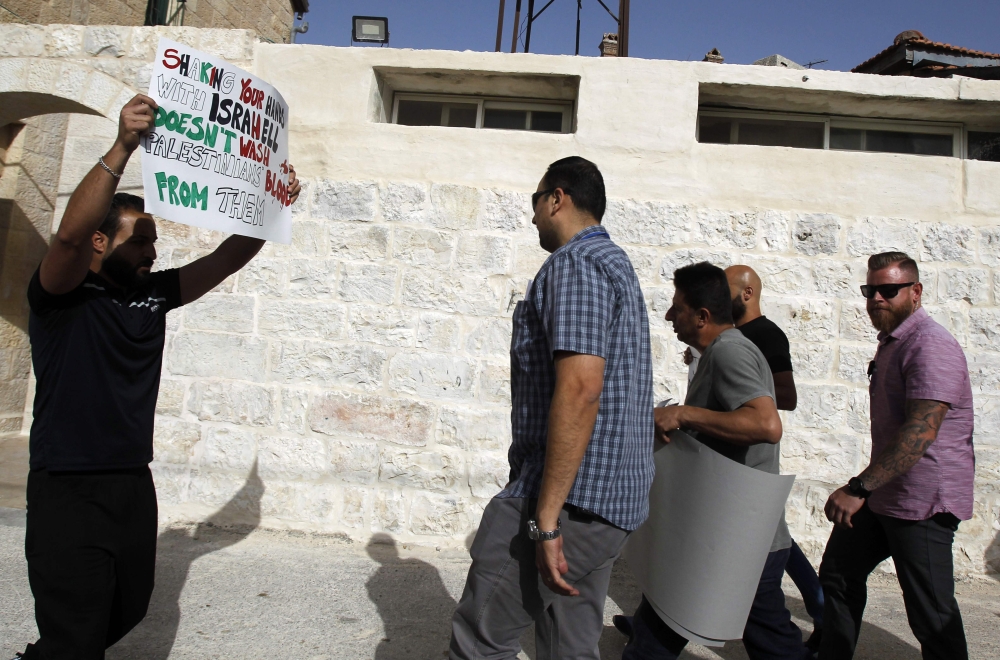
582, 453
730, 407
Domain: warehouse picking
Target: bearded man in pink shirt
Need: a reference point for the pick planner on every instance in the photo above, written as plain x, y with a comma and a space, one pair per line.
909, 500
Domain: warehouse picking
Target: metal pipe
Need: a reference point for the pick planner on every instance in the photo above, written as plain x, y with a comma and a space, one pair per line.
623, 21
531, 17
517, 26
579, 4
500, 26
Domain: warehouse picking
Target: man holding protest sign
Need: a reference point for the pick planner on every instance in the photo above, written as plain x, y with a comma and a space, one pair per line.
97, 324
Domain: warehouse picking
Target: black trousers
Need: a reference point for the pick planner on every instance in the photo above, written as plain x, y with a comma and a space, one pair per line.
90, 543
921, 551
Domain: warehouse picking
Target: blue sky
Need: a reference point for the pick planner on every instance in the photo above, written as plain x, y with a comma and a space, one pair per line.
845, 32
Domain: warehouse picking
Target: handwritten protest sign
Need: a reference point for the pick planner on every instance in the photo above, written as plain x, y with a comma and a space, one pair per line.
218, 155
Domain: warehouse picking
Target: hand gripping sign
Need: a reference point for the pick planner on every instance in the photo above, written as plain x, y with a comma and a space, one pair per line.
218, 155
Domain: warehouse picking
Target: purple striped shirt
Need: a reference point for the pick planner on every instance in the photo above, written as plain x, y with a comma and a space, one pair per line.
921, 360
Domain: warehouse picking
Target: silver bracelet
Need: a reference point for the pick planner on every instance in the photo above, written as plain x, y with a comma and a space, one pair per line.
100, 161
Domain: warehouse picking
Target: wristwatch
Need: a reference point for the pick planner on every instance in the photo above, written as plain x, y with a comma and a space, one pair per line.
857, 488
536, 534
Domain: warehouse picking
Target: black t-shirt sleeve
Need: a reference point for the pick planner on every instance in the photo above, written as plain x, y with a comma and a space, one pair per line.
41, 301
167, 284
772, 342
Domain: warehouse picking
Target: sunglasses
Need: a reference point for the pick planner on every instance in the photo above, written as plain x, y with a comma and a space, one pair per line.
887, 291
545, 193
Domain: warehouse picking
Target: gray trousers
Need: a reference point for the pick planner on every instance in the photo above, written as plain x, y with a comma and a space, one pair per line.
504, 593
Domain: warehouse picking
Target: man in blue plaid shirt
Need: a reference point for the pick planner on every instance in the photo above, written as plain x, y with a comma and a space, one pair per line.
582, 453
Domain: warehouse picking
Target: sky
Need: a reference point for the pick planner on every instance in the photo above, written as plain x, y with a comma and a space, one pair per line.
843, 32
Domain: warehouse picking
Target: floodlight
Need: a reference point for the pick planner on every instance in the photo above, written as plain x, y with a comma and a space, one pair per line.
371, 29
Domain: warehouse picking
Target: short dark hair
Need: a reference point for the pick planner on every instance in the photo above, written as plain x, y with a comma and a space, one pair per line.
886, 259
704, 286
582, 181
113, 220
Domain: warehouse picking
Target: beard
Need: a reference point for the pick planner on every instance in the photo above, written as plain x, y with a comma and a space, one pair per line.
739, 309
125, 274
887, 319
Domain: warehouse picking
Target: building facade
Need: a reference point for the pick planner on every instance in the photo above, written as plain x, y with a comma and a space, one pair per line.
361, 373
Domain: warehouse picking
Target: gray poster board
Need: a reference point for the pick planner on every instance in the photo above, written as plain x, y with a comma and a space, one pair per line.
699, 556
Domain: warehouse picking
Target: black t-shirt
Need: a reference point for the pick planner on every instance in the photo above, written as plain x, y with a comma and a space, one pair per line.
97, 356
771, 341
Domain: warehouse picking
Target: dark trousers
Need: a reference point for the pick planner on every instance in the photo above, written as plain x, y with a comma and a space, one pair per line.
921, 551
805, 578
769, 633
90, 543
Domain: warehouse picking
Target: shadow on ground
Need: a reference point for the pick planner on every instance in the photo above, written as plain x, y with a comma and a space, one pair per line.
177, 549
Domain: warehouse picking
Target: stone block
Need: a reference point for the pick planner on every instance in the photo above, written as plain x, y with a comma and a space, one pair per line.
989, 246
331, 365
359, 243
474, 429
782, 275
658, 300
943, 242
353, 461
858, 411
423, 247
404, 202
369, 283
291, 458
645, 262
388, 326
489, 338
346, 201
826, 457
774, 231
389, 511
987, 420
438, 332
820, 407
811, 361
265, 277
803, 319
300, 209
401, 421
648, 223
432, 375
855, 324
505, 211
313, 320
488, 474
482, 253
477, 296
211, 355
17, 40
220, 313
494, 382
853, 363
357, 502
229, 44
685, 257
292, 410
816, 233
984, 372
228, 449
312, 278
721, 228
237, 403
969, 284
308, 240
873, 235
442, 470
833, 277
170, 400
106, 41
955, 319
439, 515
454, 207
528, 256
174, 440
984, 328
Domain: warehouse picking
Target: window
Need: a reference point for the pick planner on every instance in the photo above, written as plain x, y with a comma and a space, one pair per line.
984, 146
478, 112
772, 129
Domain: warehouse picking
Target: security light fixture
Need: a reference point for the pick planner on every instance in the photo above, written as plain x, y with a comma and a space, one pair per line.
370, 29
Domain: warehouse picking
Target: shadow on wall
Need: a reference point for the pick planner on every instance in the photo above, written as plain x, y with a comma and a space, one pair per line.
415, 606
153, 639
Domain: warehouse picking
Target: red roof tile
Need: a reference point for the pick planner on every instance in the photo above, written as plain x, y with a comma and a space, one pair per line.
932, 45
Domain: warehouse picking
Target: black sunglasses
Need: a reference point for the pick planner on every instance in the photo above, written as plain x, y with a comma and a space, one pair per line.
887, 291
543, 193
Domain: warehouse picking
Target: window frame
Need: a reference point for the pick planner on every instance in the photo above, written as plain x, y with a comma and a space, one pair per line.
958, 131
497, 102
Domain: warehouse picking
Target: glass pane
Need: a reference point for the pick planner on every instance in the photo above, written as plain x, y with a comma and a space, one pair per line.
899, 142
984, 146
546, 121
714, 130
847, 138
462, 115
419, 113
781, 133
496, 118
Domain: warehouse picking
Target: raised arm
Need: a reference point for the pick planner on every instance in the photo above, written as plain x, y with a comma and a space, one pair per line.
572, 415
753, 423
201, 276
69, 255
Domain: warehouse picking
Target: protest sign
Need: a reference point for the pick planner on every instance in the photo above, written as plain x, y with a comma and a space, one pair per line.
218, 155
699, 556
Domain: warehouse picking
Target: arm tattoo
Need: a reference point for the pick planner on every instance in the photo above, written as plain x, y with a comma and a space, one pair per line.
919, 430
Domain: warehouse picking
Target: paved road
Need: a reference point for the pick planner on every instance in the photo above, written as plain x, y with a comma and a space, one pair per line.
259, 594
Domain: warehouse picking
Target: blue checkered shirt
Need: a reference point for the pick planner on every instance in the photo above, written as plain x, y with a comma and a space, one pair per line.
586, 299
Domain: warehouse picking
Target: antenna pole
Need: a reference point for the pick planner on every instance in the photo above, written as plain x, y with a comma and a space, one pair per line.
517, 26
531, 18
623, 16
578, 5
500, 26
